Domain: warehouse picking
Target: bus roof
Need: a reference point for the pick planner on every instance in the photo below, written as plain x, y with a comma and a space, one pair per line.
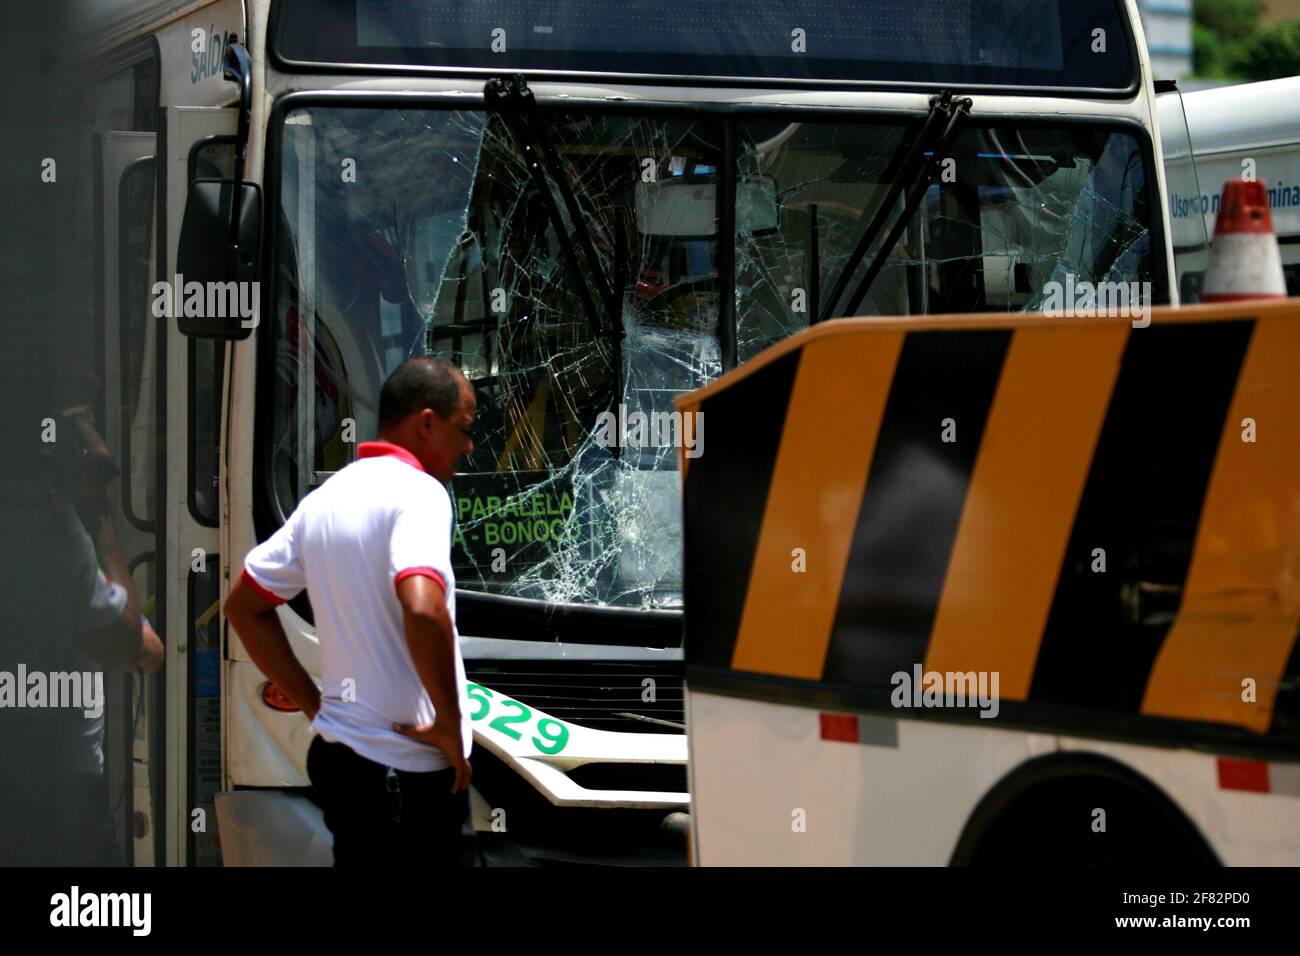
1248, 116
108, 24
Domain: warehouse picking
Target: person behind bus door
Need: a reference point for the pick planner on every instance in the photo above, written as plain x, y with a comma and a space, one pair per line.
97, 630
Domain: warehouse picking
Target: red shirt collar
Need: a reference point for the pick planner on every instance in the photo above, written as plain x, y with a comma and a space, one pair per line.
374, 449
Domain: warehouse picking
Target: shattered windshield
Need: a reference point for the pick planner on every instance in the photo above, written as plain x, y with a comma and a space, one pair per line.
411, 232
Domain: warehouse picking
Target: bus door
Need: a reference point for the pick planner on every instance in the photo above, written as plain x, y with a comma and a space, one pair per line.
127, 361
199, 144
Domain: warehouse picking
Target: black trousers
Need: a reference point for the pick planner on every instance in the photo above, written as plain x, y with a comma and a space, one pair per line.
378, 815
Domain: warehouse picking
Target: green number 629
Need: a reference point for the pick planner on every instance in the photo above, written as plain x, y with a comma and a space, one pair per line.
553, 735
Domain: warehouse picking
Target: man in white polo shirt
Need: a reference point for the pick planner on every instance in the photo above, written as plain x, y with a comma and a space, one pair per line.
372, 546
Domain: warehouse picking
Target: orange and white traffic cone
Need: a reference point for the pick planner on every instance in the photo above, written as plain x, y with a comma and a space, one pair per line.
1245, 261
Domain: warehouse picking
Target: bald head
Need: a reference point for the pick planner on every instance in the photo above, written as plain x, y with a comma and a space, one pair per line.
419, 383
428, 407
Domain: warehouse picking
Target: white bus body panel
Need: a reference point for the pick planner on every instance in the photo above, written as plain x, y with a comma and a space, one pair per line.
1242, 828
755, 765
767, 790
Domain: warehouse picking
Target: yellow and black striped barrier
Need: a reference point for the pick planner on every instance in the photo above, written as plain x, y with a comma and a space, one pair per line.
1107, 517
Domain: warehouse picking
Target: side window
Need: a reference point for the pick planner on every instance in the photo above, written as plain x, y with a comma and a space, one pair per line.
134, 263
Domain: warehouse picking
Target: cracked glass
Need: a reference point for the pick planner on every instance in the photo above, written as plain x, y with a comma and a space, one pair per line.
411, 232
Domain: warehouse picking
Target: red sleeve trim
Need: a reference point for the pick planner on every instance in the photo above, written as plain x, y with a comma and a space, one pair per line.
423, 572
273, 598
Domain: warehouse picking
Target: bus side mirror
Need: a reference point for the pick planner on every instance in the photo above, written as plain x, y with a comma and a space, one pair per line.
214, 294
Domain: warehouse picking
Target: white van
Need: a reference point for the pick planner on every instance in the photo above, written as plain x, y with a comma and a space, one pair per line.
1250, 130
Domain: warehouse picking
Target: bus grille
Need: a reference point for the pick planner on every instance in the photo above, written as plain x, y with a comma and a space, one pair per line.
600, 695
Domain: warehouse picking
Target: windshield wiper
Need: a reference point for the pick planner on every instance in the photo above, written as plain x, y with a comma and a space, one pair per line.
913, 173
652, 720
522, 116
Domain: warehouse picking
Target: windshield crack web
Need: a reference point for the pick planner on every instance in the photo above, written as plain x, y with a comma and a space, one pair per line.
546, 508
446, 244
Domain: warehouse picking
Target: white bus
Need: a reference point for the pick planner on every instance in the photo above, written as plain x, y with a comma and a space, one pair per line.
590, 210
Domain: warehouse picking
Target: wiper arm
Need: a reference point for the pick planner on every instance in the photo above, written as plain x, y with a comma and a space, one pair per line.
918, 192
652, 720
541, 130
938, 104
942, 105
519, 111
522, 116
